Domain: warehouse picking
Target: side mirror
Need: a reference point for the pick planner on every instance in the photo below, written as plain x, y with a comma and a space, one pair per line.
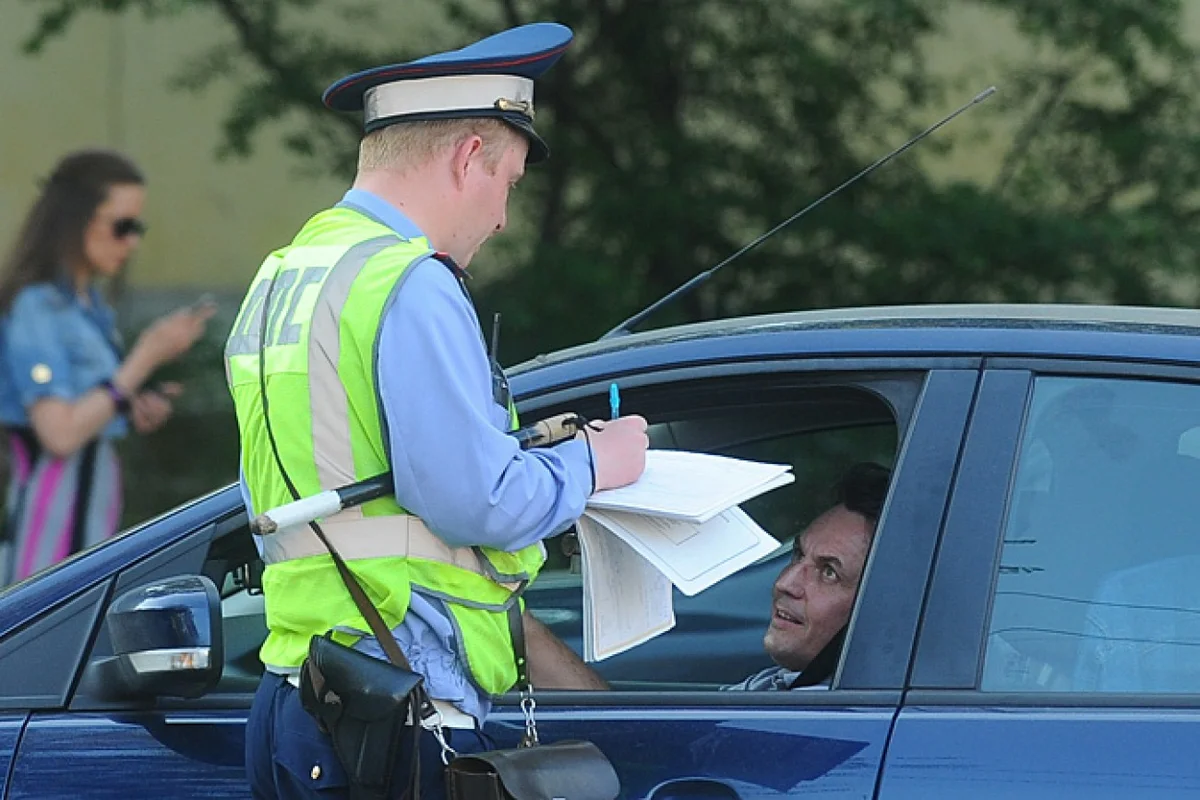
166, 640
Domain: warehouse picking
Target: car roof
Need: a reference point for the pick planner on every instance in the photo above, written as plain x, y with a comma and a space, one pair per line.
960, 329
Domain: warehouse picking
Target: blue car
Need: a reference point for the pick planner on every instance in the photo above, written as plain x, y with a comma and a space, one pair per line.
1028, 623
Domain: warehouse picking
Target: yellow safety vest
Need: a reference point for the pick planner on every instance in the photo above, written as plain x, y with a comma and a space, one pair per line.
331, 287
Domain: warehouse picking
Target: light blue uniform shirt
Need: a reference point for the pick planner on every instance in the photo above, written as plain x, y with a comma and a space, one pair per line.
454, 465
53, 345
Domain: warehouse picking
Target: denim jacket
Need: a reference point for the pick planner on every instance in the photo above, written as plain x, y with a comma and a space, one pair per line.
52, 345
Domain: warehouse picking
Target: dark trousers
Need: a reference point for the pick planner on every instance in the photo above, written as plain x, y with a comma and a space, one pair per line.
288, 757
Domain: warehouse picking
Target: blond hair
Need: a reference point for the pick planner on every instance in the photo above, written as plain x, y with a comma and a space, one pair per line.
405, 145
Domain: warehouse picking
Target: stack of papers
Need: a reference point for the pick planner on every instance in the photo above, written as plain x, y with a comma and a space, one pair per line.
678, 525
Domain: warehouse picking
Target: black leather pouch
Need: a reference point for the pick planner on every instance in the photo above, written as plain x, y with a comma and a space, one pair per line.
370, 709
567, 769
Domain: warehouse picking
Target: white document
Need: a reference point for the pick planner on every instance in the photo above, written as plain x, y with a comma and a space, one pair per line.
692, 486
625, 599
680, 525
693, 556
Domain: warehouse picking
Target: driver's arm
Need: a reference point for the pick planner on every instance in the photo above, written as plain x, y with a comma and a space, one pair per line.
553, 665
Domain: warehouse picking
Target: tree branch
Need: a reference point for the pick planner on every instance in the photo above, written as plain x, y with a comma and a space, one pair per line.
261, 44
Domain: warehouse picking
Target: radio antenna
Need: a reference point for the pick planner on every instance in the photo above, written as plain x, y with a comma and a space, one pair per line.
627, 326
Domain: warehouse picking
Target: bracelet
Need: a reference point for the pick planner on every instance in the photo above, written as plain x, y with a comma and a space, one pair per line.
119, 398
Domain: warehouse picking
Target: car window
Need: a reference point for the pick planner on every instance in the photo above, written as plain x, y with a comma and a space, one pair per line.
1097, 588
718, 636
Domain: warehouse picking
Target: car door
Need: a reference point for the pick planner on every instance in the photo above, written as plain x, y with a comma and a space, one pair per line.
665, 726
11, 726
81, 742
1060, 652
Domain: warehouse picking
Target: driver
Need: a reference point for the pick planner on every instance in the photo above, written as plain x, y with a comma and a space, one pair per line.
814, 595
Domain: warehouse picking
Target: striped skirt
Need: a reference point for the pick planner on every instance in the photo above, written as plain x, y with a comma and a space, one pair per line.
56, 506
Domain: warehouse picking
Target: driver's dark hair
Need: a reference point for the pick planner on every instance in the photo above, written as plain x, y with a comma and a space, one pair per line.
862, 489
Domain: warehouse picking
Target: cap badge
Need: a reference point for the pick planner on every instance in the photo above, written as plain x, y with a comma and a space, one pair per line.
520, 106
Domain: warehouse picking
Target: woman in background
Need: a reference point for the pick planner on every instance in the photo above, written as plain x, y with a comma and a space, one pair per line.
67, 387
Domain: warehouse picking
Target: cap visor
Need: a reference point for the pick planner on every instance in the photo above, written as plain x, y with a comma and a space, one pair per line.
538, 149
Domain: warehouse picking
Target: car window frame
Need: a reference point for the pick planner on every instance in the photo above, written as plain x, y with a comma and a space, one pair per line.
962, 590
874, 400
888, 607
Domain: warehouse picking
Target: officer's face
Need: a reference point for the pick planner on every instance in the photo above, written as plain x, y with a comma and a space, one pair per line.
114, 231
814, 594
490, 190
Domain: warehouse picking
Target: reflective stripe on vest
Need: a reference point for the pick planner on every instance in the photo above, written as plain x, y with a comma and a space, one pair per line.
358, 537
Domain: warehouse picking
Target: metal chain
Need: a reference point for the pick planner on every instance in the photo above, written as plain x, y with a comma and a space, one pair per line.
448, 752
528, 704
433, 724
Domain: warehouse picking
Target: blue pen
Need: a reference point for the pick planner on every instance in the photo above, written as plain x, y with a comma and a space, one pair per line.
614, 400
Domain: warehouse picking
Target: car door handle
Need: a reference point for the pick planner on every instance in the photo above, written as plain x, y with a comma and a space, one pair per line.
693, 789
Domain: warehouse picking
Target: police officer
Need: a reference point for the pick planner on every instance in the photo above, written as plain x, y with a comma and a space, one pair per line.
373, 360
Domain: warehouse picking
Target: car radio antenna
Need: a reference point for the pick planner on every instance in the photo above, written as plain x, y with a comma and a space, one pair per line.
627, 326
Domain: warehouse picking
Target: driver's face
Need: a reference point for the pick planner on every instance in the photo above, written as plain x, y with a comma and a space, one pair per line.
814, 595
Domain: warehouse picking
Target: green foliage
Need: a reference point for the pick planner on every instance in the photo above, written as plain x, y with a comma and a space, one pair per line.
683, 128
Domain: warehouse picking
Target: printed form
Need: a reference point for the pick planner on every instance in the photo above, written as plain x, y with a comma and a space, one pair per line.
625, 599
692, 556
678, 525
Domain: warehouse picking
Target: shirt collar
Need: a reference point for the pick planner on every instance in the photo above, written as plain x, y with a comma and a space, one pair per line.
783, 679
96, 301
382, 212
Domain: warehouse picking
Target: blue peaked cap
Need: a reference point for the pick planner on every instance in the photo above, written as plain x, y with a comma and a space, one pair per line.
491, 78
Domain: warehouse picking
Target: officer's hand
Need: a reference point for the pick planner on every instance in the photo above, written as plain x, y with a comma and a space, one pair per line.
619, 451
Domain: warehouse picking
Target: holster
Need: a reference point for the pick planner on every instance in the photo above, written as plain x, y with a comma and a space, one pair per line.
371, 710
567, 769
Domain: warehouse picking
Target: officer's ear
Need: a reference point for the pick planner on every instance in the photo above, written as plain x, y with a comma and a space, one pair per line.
467, 155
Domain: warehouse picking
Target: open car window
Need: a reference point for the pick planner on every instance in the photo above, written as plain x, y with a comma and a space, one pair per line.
819, 427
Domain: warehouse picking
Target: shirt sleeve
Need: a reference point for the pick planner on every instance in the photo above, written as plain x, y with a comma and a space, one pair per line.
454, 465
35, 352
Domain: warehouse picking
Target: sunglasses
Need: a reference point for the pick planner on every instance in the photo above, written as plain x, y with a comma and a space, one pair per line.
128, 226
